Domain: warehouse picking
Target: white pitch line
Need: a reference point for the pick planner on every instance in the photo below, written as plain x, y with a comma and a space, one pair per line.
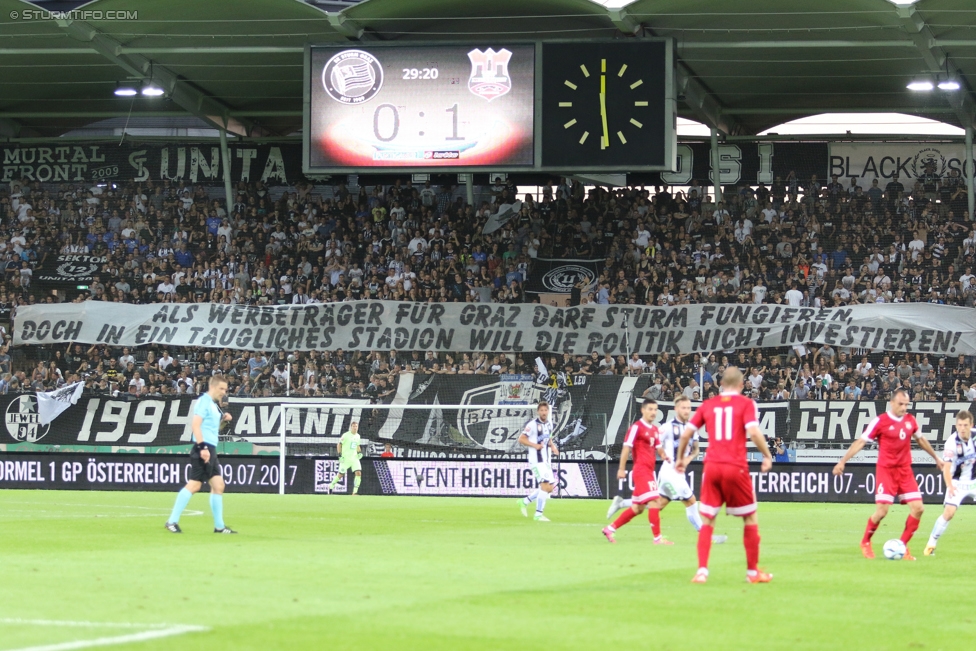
98, 506
83, 624
118, 639
20, 515
56, 515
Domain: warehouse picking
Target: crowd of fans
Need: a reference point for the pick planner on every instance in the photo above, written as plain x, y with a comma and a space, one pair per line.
798, 242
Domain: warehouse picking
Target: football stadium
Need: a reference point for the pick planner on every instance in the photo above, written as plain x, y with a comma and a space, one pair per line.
719, 254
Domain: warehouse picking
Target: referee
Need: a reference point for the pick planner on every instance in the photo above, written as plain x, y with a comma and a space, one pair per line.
203, 457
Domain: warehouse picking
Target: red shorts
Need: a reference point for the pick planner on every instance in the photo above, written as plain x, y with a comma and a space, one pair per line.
896, 482
724, 483
645, 485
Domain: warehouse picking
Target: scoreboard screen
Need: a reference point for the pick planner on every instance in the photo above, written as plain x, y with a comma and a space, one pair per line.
420, 107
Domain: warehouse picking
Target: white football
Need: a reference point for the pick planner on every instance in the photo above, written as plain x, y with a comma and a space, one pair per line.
894, 550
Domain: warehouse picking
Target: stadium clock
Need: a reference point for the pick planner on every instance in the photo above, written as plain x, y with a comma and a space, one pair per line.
607, 105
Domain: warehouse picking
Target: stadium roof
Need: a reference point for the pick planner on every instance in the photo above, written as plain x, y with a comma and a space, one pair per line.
742, 67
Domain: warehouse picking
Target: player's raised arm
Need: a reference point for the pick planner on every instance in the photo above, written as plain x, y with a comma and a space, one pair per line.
682, 461
760, 442
523, 439
925, 445
947, 466
858, 445
696, 422
196, 425
751, 423
661, 452
625, 451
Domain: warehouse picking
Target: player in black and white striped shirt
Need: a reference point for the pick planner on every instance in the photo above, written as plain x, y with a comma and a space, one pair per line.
673, 485
537, 436
960, 474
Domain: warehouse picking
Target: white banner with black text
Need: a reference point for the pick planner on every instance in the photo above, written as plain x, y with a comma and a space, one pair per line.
447, 327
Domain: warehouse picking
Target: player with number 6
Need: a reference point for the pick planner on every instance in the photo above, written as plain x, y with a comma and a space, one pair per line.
894, 431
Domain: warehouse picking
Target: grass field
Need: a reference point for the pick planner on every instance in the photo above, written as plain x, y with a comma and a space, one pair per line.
315, 572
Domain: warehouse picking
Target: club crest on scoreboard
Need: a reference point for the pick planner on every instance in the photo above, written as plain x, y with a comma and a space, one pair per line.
352, 77
489, 73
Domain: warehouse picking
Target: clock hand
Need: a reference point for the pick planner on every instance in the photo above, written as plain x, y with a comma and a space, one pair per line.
605, 142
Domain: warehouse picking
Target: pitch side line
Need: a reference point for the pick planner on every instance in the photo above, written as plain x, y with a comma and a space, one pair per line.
157, 631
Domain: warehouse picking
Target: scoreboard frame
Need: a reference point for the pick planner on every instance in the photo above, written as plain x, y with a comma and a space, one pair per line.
543, 151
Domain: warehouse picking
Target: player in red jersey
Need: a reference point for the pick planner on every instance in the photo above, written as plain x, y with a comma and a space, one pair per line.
644, 439
728, 418
894, 431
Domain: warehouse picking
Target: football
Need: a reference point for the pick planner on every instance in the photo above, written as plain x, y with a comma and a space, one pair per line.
894, 550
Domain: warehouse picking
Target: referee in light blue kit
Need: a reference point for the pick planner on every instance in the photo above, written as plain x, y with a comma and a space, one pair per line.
203, 457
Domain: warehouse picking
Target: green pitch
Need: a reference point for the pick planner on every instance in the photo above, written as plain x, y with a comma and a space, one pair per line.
317, 572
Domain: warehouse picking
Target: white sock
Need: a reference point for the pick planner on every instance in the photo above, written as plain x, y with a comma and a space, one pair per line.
692, 514
531, 498
937, 530
540, 503
626, 504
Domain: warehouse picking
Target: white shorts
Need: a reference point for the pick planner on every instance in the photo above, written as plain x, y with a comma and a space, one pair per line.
672, 484
542, 472
963, 490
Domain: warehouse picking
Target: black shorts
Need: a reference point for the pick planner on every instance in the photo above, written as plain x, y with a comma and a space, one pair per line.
200, 471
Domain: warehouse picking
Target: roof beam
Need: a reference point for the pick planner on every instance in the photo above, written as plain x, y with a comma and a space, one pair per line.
793, 44
346, 26
142, 114
686, 87
624, 21
9, 128
701, 102
818, 110
938, 63
849, 137
182, 92
12, 129
624, 26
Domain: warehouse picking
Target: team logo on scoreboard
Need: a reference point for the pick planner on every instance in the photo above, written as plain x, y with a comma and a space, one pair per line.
352, 77
563, 278
489, 73
23, 423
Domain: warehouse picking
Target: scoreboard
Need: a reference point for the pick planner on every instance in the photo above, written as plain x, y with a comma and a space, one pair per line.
590, 106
